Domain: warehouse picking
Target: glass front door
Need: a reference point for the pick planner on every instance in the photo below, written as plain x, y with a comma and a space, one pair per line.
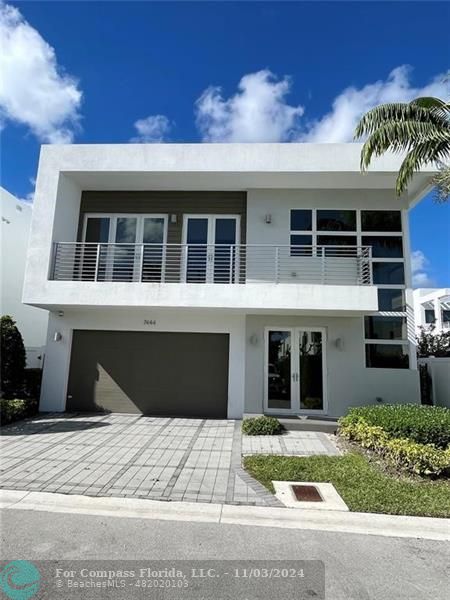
295, 371
210, 248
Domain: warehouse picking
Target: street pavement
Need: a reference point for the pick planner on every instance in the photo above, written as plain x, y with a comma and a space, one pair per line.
357, 567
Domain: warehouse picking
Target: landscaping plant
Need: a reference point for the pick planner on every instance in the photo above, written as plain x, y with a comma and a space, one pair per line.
12, 358
421, 424
261, 426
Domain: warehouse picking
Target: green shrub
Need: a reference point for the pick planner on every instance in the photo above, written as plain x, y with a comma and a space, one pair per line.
14, 410
262, 426
422, 459
12, 352
422, 424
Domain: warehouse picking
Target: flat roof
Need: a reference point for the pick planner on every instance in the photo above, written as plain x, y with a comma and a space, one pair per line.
229, 166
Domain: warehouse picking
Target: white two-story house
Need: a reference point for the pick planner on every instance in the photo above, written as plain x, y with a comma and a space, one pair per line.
213, 280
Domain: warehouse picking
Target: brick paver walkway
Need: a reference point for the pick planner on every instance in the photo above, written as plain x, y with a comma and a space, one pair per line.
291, 443
129, 455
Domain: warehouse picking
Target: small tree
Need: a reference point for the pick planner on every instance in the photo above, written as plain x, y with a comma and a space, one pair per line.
12, 357
432, 344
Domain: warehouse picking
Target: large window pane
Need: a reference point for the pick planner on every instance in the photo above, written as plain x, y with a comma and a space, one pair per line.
279, 370
381, 220
311, 373
388, 272
125, 255
336, 220
391, 300
153, 238
301, 240
446, 316
387, 356
385, 328
301, 220
384, 247
97, 230
429, 316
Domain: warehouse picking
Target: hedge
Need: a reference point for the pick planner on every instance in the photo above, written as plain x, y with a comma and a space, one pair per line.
14, 410
262, 426
422, 424
422, 459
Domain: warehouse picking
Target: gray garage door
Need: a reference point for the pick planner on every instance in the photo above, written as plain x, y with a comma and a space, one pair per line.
176, 374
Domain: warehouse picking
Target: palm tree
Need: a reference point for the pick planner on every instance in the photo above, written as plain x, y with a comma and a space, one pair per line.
420, 128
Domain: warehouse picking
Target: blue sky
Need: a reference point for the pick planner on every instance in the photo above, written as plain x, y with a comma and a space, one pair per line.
151, 71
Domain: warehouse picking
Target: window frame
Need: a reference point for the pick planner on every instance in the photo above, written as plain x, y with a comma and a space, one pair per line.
140, 217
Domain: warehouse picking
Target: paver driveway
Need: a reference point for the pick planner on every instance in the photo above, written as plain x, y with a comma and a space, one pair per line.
129, 455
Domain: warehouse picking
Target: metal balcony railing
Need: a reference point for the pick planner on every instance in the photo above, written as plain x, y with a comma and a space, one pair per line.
219, 263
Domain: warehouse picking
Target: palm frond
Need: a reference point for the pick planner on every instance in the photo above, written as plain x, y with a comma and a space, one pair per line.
442, 183
401, 137
421, 154
398, 112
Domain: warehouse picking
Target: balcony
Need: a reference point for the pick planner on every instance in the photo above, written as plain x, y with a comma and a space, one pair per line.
212, 264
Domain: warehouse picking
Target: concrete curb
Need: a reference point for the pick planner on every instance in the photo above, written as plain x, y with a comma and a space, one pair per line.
259, 516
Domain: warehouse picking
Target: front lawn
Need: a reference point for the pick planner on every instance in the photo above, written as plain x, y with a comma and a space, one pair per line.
362, 485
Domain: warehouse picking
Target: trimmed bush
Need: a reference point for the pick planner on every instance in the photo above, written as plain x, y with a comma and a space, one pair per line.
14, 410
422, 459
422, 424
262, 426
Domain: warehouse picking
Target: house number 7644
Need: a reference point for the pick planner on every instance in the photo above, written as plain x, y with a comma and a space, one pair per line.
149, 322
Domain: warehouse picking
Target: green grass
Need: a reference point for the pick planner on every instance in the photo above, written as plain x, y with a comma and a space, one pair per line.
362, 485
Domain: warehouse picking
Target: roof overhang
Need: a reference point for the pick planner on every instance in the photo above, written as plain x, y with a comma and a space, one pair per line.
229, 167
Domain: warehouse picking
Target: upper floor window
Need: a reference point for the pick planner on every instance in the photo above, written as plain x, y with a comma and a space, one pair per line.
381, 220
336, 220
429, 315
301, 220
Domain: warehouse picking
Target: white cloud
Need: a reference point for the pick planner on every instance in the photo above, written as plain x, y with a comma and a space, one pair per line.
154, 128
33, 90
348, 107
420, 266
257, 112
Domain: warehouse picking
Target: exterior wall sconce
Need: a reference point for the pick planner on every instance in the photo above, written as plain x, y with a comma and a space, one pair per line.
253, 339
339, 343
57, 337
268, 219
173, 219
60, 313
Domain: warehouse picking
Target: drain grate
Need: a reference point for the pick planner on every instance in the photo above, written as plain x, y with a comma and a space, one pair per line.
306, 493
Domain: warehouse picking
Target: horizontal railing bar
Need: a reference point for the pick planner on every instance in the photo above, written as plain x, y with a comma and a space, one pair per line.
212, 263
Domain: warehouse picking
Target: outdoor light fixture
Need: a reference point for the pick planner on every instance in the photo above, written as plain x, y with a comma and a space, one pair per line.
60, 313
339, 343
253, 339
268, 219
173, 219
57, 337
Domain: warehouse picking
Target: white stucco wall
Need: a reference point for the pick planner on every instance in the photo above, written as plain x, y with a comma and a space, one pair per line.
349, 382
15, 230
57, 362
439, 371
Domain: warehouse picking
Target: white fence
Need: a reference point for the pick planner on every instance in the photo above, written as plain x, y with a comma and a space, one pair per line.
439, 372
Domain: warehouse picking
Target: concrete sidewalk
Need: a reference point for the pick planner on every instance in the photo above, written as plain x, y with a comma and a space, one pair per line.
358, 523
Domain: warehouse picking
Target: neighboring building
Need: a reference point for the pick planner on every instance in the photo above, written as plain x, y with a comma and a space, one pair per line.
211, 280
432, 309
15, 230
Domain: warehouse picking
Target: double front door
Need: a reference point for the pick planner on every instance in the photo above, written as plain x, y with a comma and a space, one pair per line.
295, 379
211, 248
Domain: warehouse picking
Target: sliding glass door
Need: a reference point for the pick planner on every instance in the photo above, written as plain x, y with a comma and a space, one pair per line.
295, 373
